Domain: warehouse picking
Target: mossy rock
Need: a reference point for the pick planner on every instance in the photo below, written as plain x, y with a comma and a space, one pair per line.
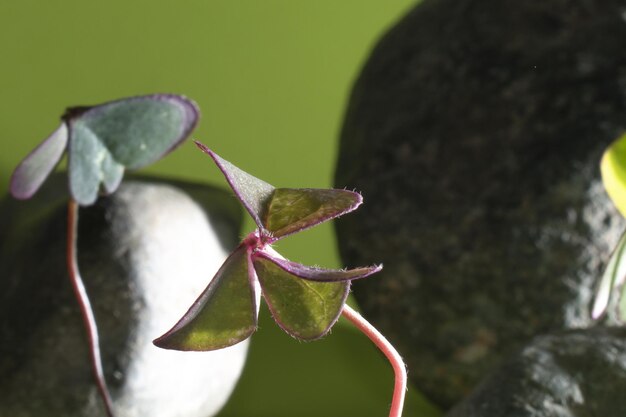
474, 132
575, 373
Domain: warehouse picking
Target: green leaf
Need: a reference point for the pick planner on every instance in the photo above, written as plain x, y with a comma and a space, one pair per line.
128, 133
138, 131
613, 169
35, 168
612, 278
90, 163
223, 315
293, 209
304, 309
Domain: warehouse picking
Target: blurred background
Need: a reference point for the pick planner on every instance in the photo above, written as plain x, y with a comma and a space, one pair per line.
272, 79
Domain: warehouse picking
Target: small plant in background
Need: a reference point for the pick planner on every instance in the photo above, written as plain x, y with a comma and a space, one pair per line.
304, 301
102, 141
611, 294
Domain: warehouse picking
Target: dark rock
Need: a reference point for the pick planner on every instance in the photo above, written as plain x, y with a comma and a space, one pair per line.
145, 254
475, 132
577, 373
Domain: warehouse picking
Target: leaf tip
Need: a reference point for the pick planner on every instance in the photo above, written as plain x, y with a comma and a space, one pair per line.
173, 340
601, 302
17, 191
597, 312
216, 158
203, 147
165, 342
159, 342
37, 166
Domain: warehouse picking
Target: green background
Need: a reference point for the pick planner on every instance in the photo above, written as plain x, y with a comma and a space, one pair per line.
272, 79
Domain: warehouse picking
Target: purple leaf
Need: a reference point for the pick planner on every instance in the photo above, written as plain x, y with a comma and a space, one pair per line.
279, 212
253, 193
318, 274
304, 301
35, 168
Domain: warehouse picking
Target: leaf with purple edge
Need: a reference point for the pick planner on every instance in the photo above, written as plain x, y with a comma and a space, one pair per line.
293, 209
105, 139
37, 166
304, 301
304, 309
138, 131
284, 211
127, 133
223, 315
253, 193
319, 274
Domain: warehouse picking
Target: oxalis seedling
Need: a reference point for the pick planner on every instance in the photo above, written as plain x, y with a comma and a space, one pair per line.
101, 142
304, 301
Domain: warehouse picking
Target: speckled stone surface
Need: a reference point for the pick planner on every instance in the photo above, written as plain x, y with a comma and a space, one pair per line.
577, 373
145, 254
474, 133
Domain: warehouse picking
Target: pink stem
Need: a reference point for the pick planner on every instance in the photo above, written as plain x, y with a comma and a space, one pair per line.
399, 389
85, 306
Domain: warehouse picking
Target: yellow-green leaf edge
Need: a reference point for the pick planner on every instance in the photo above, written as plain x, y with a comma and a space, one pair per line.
613, 170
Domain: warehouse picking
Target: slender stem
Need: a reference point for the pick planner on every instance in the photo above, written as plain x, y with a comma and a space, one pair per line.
85, 306
399, 369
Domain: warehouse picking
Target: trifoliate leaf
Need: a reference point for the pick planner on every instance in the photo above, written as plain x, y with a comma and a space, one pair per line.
304, 309
223, 315
128, 133
104, 140
304, 301
35, 168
